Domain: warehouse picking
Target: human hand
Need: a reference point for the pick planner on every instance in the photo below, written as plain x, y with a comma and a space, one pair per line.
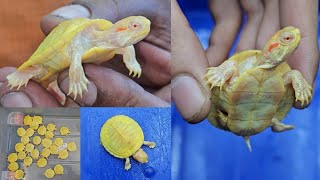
264, 18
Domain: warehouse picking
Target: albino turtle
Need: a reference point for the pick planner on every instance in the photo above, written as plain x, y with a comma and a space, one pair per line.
78, 41
255, 89
122, 137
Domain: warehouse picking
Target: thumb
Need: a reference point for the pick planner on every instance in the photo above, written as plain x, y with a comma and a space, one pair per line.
110, 88
61, 14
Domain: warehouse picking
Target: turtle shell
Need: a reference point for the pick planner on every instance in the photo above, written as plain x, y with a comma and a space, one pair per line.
256, 96
121, 136
52, 53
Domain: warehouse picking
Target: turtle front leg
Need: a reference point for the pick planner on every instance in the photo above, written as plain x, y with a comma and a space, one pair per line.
278, 126
78, 81
217, 76
149, 144
22, 77
127, 164
301, 87
129, 59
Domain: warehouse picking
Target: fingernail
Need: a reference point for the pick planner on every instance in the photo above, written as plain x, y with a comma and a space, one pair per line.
88, 97
16, 99
71, 11
187, 97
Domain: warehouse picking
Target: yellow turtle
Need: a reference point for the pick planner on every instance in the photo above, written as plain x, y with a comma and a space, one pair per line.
122, 137
78, 41
255, 89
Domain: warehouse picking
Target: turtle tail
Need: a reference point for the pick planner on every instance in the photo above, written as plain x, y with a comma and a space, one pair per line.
247, 139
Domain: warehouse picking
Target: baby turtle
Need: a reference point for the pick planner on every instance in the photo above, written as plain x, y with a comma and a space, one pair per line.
255, 89
78, 41
122, 137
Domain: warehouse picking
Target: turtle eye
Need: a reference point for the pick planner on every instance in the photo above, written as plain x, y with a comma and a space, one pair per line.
286, 38
135, 26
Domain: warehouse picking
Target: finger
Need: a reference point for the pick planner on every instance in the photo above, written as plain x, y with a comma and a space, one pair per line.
32, 95
189, 63
305, 58
254, 11
227, 17
270, 22
109, 88
51, 20
164, 93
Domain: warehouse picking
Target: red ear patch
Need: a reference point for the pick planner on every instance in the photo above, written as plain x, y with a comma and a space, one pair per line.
272, 46
121, 29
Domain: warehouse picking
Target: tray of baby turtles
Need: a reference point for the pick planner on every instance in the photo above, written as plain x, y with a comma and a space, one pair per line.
43, 147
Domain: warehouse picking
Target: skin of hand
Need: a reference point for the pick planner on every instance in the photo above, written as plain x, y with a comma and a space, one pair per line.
265, 17
153, 53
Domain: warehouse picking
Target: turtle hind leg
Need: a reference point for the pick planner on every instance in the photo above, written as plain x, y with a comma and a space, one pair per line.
127, 164
54, 89
149, 144
247, 139
22, 77
278, 126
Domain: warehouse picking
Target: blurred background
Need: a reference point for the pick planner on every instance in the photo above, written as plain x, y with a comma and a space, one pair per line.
20, 31
201, 151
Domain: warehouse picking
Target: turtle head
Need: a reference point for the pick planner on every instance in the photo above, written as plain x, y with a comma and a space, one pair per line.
279, 47
140, 156
130, 30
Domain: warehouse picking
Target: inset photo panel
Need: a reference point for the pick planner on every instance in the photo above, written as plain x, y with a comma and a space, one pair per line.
72, 53
38, 144
125, 143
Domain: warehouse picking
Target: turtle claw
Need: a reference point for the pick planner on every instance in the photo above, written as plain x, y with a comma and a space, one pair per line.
150, 144
78, 83
134, 69
214, 78
304, 94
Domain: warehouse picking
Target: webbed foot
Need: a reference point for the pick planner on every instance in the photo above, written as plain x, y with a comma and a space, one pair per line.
278, 126
134, 68
18, 79
150, 144
303, 91
127, 165
217, 76
78, 82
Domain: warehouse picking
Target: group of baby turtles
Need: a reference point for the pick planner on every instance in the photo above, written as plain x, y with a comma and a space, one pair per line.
33, 135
